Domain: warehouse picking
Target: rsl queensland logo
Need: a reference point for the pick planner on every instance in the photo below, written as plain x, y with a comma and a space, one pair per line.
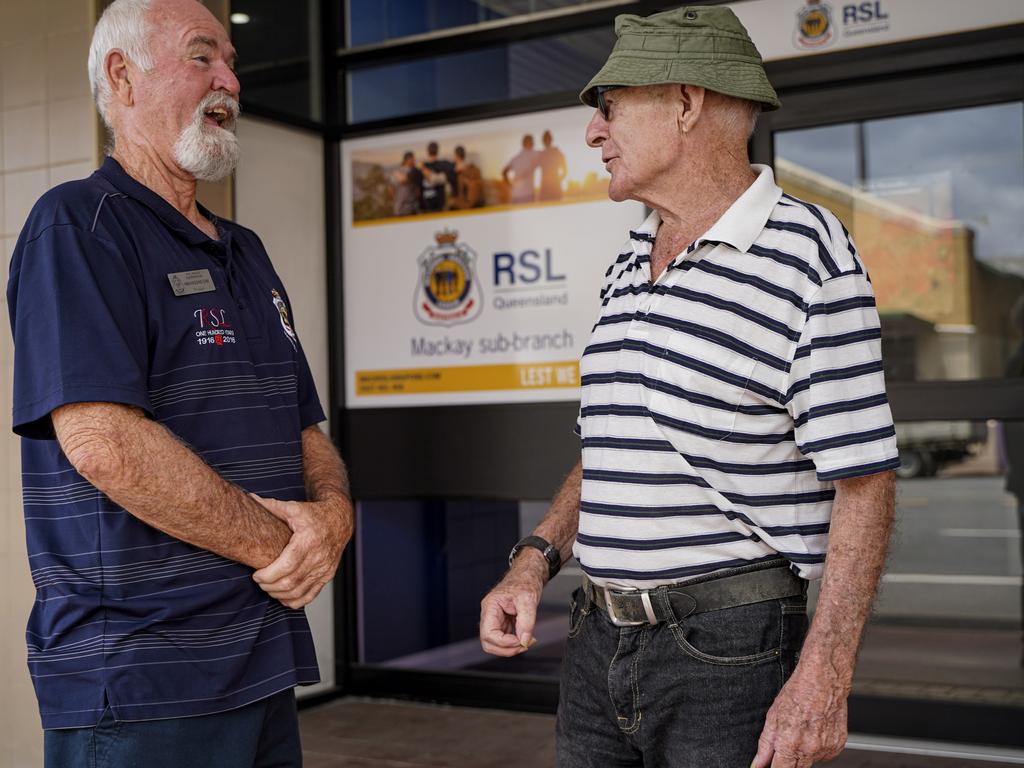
447, 290
814, 28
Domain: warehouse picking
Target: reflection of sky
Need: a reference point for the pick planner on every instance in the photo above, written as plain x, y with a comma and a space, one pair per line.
831, 151
978, 151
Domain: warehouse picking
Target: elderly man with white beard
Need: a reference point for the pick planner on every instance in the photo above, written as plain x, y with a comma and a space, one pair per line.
181, 503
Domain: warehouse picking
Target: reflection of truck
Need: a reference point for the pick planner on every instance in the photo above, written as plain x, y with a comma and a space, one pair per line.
926, 446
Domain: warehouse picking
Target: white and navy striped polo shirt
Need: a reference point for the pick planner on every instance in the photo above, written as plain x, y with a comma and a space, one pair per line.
720, 403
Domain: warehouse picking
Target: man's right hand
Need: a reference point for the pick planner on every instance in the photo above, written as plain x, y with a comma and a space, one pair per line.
320, 531
509, 611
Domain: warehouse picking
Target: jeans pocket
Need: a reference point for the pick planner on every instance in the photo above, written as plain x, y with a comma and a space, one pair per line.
579, 609
742, 636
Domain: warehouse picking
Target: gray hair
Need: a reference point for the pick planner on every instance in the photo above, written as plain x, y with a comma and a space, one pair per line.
737, 116
123, 25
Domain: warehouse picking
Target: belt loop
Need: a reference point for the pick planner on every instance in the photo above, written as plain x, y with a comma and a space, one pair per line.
662, 601
645, 599
589, 590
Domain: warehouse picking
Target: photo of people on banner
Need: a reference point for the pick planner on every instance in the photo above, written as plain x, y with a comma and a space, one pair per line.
494, 171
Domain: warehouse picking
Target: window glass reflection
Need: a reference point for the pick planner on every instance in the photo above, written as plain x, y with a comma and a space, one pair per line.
946, 624
373, 21
947, 618
935, 203
277, 55
498, 73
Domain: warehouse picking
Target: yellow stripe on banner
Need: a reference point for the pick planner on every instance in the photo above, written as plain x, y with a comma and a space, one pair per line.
468, 378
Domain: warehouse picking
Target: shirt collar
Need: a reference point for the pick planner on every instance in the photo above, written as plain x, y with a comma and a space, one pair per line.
742, 222
172, 218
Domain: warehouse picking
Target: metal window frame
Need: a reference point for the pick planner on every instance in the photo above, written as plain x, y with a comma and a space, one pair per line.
969, 60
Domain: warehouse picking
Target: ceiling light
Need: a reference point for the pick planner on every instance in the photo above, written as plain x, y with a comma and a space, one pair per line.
239, 18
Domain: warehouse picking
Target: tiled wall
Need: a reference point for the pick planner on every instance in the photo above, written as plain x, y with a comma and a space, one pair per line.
47, 135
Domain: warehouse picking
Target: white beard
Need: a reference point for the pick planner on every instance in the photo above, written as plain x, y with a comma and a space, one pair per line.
209, 152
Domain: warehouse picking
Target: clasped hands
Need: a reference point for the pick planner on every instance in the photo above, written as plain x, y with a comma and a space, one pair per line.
320, 531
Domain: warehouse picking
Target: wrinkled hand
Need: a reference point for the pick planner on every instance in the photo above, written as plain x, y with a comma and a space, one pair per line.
509, 611
320, 531
805, 725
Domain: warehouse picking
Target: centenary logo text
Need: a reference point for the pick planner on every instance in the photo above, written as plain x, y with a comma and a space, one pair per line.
447, 290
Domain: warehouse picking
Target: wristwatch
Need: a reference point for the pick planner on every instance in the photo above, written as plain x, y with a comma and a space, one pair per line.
546, 548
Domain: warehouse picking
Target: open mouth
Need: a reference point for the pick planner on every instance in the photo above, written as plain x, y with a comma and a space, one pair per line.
219, 116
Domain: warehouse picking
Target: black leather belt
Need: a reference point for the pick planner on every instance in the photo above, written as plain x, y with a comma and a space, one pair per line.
747, 584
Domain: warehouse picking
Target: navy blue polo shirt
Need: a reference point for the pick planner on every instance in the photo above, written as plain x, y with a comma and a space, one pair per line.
126, 615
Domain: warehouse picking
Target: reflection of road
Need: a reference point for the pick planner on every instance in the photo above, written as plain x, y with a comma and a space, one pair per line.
955, 553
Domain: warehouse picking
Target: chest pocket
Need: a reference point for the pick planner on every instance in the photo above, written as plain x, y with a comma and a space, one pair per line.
701, 390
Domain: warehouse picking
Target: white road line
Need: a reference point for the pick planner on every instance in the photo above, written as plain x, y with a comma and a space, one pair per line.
981, 533
953, 578
867, 743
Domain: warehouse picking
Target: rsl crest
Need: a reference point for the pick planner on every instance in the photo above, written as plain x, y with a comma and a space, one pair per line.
814, 28
282, 311
447, 289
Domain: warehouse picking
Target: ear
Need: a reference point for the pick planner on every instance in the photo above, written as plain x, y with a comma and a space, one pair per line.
691, 106
116, 70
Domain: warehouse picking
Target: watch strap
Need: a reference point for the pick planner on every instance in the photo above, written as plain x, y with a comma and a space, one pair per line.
546, 548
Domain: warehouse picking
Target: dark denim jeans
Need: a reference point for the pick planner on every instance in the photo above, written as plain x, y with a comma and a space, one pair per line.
264, 734
692, 693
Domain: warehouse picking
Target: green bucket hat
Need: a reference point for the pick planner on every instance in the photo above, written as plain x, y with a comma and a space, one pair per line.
697, 45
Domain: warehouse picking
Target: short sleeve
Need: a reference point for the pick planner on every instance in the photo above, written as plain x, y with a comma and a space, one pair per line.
310, 410
836, 392
79, 326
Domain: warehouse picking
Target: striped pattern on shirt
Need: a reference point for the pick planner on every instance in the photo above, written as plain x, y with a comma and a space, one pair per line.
720, 404
126, 616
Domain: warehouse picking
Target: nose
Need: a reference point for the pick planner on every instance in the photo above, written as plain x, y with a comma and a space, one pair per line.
225, 80
597, 129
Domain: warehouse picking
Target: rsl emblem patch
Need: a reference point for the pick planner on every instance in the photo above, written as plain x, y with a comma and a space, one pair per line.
282, 310
447, 291
814, 25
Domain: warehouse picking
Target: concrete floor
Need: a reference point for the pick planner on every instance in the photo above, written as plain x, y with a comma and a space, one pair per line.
359, 733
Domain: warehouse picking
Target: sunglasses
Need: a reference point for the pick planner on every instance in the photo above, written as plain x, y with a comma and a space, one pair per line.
602, 105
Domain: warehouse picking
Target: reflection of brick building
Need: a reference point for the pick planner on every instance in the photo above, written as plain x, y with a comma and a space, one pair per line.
944, 313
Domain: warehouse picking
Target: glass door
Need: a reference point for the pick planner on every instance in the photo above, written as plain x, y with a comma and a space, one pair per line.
935, 203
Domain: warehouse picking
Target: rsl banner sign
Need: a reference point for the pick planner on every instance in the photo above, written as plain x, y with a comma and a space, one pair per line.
473, 258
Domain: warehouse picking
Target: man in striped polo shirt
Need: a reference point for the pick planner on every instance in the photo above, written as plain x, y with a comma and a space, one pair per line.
159, 386
735, 430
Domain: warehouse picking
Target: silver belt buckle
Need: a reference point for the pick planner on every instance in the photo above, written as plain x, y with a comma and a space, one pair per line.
618, 622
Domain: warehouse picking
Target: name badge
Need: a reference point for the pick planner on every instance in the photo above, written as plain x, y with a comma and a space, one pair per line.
193, 281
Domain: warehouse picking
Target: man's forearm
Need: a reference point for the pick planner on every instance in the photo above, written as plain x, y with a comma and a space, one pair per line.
325, 472
858, 541
559, 525
141, 466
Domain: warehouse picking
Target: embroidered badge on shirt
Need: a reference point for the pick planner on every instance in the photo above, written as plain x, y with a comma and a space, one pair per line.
214, 327
282, 310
